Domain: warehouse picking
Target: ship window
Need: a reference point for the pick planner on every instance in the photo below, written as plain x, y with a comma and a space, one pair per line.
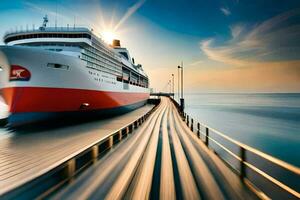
58, 66
124, 54
119, 78
125, 86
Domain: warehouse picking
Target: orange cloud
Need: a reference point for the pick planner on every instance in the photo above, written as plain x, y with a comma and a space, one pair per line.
263, 77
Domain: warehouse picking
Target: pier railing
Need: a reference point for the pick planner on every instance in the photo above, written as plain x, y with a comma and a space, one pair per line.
269, 177
66, 170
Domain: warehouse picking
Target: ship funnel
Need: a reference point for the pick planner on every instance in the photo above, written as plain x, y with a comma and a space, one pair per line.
116, 43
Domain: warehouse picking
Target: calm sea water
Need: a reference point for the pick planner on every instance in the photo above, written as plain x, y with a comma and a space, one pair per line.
268, 122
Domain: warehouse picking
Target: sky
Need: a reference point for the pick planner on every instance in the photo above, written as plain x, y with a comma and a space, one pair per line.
225, 46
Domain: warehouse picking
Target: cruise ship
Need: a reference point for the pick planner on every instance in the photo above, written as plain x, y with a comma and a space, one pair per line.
62, 71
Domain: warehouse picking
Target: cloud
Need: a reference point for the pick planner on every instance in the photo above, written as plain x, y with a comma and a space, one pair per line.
270, 77
43, 10
274, 40
130, 12
236, 30
225, 11
196, 63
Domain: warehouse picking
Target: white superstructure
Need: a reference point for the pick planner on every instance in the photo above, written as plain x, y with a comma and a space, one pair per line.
55, 70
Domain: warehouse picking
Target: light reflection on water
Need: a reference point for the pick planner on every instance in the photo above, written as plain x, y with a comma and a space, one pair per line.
268, 122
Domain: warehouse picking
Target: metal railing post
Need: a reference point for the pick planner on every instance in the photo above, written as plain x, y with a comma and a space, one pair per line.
120, 135
136, 124
95, 153
131, 128
192, 124
69, 170
187, 120
110, 142
206, 136
198, 130
242, 163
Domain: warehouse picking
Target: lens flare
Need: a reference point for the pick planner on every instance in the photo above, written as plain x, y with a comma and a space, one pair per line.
108, 36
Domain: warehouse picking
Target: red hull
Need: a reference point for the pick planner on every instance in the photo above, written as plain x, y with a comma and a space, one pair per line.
38, 99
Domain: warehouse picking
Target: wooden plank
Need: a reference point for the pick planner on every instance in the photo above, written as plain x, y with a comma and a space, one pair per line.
141, 184
188, 184
23, 156
167, 184
201, 171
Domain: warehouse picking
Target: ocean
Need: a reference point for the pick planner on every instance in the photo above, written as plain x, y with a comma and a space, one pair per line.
267, 122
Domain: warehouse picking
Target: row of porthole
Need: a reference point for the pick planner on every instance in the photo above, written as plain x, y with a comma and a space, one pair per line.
93, 73
101, 80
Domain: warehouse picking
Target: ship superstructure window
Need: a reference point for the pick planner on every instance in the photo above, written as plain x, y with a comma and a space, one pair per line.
134, 79
48, 35
131, 77
58, 50
58, 66
125, 55
101, 61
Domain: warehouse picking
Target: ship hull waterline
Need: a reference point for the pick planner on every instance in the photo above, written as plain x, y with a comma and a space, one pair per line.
33, 104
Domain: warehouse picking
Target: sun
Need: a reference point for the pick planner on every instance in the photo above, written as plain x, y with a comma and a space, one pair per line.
108, 36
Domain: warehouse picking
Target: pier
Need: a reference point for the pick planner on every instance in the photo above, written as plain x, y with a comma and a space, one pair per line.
155, 152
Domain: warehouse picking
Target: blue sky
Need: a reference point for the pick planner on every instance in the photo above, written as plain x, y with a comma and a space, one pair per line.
226, 46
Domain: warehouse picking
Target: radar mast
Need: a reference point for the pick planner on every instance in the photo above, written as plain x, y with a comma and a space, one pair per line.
43, 27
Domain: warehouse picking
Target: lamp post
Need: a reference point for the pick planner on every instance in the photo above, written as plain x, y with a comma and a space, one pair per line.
178, 91
181, 98
173, 86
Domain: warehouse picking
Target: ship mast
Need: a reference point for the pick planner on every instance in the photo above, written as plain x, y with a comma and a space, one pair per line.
43, 27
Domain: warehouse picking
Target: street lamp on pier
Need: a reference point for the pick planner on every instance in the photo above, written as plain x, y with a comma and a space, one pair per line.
173, 85
181, 96
178, 89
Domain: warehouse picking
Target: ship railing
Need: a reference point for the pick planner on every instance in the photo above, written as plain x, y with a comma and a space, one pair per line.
36, 30
266, 175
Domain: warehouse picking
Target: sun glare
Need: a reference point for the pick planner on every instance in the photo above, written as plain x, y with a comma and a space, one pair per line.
108, 36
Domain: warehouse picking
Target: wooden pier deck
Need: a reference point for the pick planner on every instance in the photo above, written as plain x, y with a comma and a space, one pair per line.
161, 160
27, 155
